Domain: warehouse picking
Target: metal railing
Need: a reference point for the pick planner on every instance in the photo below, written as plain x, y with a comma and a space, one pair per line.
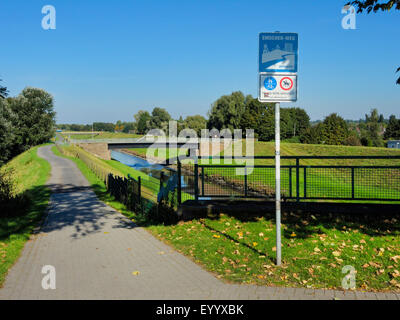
353, 178
127, 191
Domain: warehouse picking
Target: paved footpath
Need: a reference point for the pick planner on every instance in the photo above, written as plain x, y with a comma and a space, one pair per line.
95, 250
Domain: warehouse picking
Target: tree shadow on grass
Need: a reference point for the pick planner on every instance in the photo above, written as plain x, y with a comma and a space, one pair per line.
20, 215
242, 243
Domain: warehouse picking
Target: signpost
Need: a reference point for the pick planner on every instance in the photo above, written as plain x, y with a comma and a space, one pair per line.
277, 68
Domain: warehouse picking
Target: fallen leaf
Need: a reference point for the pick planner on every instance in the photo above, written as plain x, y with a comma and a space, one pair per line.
135, 273
336, 253
395, 274
395, 258
338, 260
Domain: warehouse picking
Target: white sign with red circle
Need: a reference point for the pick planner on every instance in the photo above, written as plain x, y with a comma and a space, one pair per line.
286, 83
277, 87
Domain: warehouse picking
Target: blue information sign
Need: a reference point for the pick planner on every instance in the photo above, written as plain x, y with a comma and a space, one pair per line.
278, 52
270, 83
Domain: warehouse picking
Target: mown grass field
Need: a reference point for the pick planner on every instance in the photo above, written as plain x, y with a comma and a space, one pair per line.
29, 174
321, 182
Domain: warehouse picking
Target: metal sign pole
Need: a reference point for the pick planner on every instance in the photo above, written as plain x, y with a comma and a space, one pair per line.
278, 183
277, 72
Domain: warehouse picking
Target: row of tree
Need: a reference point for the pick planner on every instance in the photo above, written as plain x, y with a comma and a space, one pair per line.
160, 118
26, 120
237, 111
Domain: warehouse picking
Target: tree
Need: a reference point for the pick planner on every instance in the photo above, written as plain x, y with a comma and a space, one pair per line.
119, 126
261, 118
375, 6
197, 123
294, 122
142, 121
371, 130
103, 126
7, 135
393, 128
252, 114
3, 91
159, 119
34, 120
312, 135
129, 127
334, 130
227, 111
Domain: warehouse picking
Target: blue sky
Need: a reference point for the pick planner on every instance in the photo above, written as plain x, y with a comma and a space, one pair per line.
108, 59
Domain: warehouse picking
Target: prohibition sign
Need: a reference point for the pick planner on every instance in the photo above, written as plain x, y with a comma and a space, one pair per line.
286, 83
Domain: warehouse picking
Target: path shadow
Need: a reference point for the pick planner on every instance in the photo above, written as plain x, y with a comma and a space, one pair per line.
80, 209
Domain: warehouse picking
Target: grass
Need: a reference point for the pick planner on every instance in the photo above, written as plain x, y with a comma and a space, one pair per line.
315, 249
102, 135
29, 175
161, 154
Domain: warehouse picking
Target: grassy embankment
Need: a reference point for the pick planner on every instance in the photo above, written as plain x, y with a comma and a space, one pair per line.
161, 154
101, 135
28, 174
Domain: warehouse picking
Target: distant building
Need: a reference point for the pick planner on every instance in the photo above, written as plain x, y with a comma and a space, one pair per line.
394, 144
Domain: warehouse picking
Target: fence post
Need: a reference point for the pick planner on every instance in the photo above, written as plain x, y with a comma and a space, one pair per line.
196, 182
305, 182
245, 182
290, 182
298, 179
179, 183
161, 179
352, 183
202, 181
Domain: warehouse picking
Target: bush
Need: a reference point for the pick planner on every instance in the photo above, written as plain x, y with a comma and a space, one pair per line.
6, 186
295, 139
352, 140
10, 203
